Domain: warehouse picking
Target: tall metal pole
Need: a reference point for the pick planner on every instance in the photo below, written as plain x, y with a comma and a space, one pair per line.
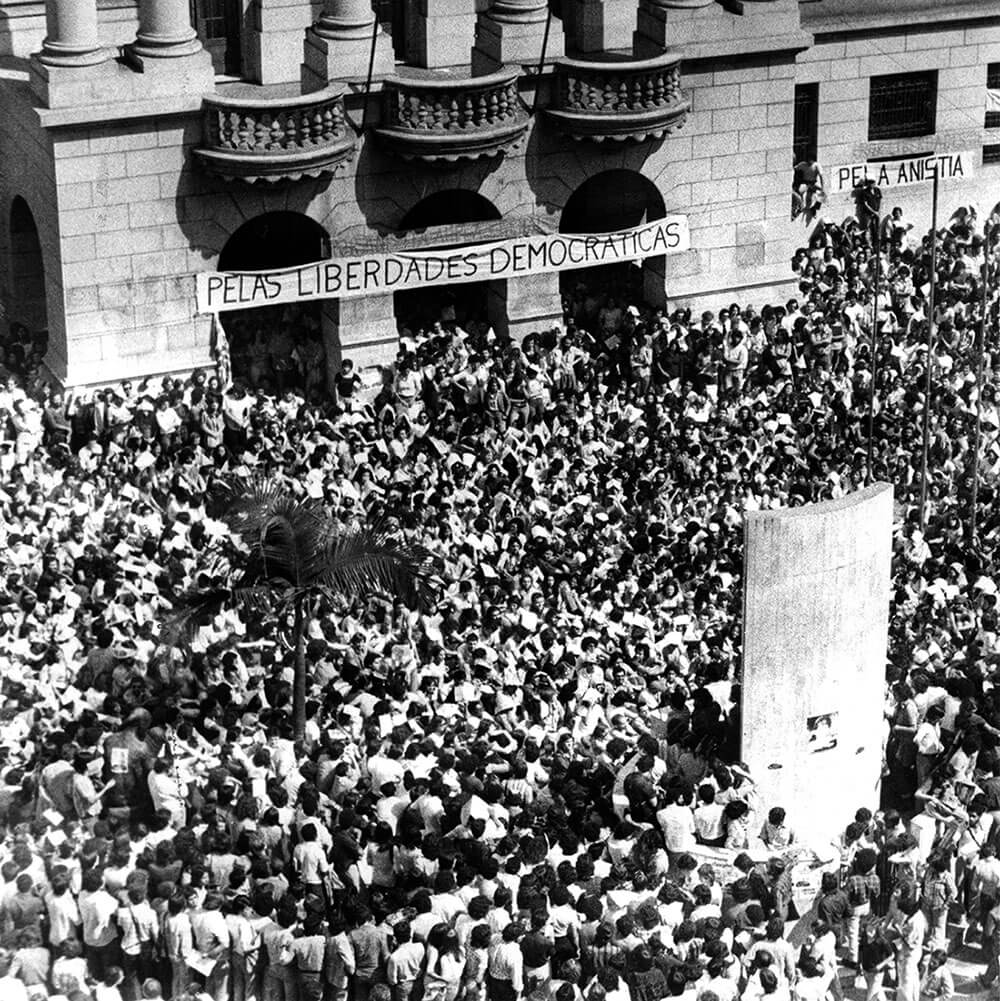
930, 354
541, 58
981, 347
874, 371
371, 67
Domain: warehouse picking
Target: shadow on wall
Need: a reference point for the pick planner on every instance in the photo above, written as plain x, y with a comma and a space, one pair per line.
211, 210
387, 187
26, 270
555, 166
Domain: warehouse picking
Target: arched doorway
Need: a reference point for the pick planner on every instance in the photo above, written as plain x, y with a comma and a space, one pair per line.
475, 302
609, 201
27, 305
266, 343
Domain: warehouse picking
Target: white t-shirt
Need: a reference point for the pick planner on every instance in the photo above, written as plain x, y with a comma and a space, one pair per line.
677, 823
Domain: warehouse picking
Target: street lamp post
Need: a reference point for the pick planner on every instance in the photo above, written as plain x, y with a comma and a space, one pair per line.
874, 354
980, 351
929, 361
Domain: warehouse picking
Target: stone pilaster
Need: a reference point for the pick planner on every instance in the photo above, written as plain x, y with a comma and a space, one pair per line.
657, 21
272, 49
593, 26
439, 32
339, 45
362, 329
533, 303
512, 32
703, 27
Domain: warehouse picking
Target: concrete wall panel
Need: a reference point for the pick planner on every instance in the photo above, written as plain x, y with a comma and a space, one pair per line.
816, 610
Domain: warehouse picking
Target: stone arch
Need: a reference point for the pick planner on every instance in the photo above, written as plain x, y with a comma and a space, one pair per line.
278, 239
445, 218
26, 272
615, 200
260, 339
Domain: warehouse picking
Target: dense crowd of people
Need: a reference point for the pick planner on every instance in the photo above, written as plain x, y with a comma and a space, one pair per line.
518, 792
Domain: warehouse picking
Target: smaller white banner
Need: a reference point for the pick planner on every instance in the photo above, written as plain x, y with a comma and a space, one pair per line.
993, 100
903, 173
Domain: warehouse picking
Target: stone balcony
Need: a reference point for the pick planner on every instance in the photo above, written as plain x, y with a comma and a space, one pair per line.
614, 99
249, 136
440, 119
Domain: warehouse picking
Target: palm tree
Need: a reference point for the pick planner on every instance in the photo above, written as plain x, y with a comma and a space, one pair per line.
286, 553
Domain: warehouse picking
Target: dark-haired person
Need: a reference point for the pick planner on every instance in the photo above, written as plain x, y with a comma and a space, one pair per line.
371, 952
833, 905
405, 962
912, 930
505, 969
863, 888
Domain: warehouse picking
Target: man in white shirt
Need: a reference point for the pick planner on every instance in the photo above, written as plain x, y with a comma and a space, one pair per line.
178, 941
677, 823
97, 912
405, 962
384, 768
444, 902
505, 977
310, 860
212, 940
928, 742
391, 806
64, 915
139, 927
708, 818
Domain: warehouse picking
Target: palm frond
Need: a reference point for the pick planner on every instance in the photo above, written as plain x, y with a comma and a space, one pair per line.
247, 505
292, 544
358, 561
283, 544
194, 605
278, 529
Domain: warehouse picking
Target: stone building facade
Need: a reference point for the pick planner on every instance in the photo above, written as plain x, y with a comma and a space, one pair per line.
146, 142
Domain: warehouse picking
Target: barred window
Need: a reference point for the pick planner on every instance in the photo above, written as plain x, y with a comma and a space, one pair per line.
902, 105
992, 83
213, 18
804, 135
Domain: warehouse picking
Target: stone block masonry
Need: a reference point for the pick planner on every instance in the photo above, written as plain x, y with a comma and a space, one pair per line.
126, 216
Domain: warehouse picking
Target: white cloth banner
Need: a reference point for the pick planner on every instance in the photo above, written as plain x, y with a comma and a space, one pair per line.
902, 173
378, 274
993, 100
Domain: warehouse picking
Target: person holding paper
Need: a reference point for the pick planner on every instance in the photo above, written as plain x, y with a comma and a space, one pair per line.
55, 783
86, 796
210, 958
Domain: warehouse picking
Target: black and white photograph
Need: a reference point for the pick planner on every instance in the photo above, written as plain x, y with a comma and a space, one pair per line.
822, 732
499, 500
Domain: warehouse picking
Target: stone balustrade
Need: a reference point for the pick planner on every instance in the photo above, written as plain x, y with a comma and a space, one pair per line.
443, 119
616, 100
275, 139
